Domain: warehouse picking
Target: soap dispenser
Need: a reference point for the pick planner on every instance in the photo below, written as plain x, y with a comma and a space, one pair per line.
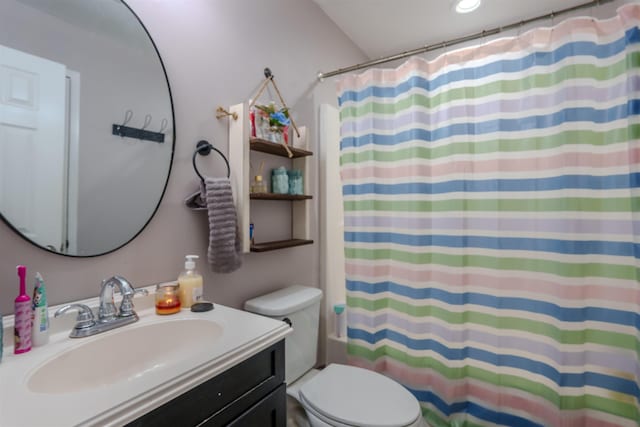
190, 282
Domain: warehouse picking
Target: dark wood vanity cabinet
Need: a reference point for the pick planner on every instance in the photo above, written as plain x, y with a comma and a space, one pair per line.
250, 394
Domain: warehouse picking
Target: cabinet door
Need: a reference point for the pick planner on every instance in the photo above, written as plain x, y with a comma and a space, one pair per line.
269, 412
224, 397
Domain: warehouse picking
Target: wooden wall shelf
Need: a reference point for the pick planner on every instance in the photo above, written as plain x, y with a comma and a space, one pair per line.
280, 244
241, 147
264, 146
273, 196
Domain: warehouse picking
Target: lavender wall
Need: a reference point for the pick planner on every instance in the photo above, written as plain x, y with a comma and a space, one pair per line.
214, 52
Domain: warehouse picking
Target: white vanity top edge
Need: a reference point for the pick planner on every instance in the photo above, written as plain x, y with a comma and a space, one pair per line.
240, 335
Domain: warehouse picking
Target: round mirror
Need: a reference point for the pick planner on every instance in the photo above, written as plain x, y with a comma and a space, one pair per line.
86, 124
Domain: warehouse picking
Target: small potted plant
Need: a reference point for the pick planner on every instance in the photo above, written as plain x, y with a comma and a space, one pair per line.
271, 123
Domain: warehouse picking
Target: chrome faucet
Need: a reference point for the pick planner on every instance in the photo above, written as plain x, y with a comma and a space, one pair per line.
108, 317
107, 311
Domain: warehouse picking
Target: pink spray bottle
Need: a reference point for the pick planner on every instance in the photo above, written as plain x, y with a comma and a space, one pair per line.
22, 313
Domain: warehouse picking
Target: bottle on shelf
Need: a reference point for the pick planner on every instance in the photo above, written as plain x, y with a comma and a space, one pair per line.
258, 185
279, 181
295, 182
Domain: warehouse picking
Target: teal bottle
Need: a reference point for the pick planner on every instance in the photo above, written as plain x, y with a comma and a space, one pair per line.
295, 182
279, 181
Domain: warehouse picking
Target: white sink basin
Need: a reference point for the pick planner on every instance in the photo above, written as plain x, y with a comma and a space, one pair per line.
124, 354
113, 378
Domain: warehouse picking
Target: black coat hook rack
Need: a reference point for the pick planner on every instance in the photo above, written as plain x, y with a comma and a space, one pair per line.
122, 130
146, 135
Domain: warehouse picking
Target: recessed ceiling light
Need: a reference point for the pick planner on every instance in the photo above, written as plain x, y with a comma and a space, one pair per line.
466, 6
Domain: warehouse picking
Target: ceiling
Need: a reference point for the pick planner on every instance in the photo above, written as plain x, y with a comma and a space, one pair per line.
387, 27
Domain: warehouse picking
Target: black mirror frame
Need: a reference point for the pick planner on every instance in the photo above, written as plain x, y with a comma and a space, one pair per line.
164, 189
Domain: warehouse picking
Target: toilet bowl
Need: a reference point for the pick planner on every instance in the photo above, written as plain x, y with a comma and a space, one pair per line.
342, 395
338, 395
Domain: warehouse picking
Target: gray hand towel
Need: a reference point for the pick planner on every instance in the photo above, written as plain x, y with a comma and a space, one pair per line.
225, 243
198, 200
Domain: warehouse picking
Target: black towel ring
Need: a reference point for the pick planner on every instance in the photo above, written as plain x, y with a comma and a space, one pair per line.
204, 148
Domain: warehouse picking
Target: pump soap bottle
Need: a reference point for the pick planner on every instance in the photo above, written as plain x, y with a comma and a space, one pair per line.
22, 313
190, 282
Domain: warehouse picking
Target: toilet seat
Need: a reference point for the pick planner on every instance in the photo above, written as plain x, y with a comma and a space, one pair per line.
350, 396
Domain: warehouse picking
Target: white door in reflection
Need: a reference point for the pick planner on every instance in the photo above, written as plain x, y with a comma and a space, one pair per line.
33, 146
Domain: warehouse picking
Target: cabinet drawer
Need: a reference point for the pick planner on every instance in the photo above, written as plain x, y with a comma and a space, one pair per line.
271, 411
249, 382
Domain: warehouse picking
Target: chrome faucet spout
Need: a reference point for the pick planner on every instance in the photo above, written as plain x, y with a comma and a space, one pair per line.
123, 284
107, 311
108, 316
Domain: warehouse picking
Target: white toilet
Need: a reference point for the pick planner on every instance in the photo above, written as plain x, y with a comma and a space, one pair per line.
338, 395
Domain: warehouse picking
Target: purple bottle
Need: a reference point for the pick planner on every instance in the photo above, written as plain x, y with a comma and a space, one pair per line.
22, 313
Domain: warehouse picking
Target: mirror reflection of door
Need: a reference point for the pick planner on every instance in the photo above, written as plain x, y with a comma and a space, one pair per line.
34, 149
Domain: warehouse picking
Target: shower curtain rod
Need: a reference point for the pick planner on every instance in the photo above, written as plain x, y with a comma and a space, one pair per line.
452, 42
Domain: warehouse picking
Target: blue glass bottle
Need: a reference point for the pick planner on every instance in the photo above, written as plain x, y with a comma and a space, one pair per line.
295, 182
279, 181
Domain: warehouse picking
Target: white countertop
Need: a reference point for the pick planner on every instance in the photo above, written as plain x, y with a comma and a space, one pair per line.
244, 334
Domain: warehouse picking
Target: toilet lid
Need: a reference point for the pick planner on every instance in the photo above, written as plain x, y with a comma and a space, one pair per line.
358, 396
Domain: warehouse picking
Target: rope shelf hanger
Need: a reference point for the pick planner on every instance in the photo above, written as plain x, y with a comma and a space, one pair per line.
269, 79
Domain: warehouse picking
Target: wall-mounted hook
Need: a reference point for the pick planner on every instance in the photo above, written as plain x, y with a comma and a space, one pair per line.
163, 125
221, 112
147, 121
128, 115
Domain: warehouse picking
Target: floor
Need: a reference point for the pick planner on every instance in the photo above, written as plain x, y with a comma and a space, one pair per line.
295, 414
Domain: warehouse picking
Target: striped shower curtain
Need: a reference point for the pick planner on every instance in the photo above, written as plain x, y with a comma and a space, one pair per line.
491, 226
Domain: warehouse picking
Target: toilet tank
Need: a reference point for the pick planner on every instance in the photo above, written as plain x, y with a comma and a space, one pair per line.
300, 307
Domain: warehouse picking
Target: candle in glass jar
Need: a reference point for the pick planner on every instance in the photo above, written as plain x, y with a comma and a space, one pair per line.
167, 298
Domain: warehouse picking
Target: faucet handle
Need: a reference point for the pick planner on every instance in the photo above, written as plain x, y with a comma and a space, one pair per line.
141, 291
126, 306
85, 317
